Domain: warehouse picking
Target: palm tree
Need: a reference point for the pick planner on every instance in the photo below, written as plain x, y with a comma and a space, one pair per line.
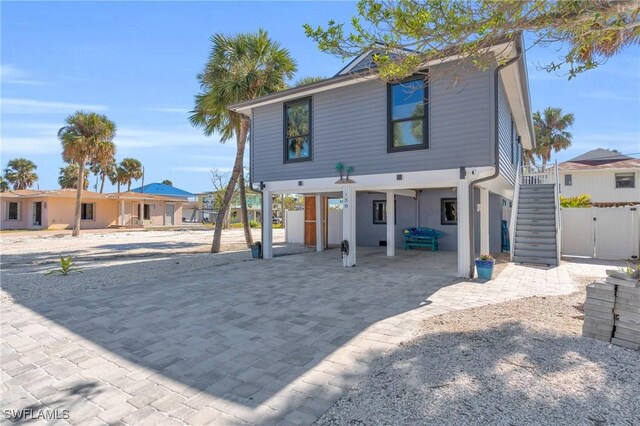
240, 68
86, 138
20, 173
167, 182
307, 80
104, 170
551, 133
129, 170
4, 185
69, 177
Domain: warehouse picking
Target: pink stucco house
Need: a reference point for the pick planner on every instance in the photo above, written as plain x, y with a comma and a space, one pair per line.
54, 209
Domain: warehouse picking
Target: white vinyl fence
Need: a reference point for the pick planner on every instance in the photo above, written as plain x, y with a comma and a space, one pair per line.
294, 226
604, 233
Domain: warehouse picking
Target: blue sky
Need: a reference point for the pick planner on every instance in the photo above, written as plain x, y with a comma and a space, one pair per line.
137, 62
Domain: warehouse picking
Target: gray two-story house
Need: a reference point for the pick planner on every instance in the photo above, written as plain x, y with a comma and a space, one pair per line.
437, 150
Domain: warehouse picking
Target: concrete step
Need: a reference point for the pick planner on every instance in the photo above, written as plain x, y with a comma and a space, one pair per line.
536, 233
535, 260
541, 222
534, 253
539, 228
536, 201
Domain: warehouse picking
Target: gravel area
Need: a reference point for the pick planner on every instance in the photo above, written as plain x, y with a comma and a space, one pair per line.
112, 259
519, 362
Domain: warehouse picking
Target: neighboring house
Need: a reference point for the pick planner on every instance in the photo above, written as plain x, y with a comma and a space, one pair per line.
205, 209
606, 176
55, 209
162, 189
442, 155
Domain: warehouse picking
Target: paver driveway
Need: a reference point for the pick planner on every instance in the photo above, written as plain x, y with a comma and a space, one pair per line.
264, 342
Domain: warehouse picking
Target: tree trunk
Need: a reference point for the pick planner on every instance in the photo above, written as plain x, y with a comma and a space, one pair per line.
129, 186
118, 187
102, 183
245, 212
79, 187
228, 194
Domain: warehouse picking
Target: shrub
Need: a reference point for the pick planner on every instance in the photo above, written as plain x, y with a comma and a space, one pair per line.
583, 200
485, 257
66, 266
254, 224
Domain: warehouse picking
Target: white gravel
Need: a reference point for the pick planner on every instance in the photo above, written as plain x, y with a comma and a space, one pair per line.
112, 259
519, 362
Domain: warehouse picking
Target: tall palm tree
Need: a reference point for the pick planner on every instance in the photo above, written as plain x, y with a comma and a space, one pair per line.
307, 80
69, 177
86, 138
129, 170
4, 185
104, 170
551, 132
20, 173
240, 68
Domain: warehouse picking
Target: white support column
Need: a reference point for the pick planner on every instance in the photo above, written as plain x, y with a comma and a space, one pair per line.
463, 216
391, 223
267, 227
349, 224
121, 213
319, 220
484, 221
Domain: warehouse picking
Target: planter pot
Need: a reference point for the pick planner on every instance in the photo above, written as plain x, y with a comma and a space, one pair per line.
485, 268
256, 251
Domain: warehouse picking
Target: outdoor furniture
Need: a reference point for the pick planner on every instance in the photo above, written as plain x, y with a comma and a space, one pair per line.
421, 237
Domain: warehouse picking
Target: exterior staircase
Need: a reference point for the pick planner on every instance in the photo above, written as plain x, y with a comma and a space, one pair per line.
536, 217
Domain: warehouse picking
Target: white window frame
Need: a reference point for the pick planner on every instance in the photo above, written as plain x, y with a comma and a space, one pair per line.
633, 180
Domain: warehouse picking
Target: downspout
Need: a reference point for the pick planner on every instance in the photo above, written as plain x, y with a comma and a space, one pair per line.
496, 156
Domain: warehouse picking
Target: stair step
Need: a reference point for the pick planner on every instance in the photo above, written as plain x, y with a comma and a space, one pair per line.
547, 245
542, 222
549, 241
536, 260
536, 216
537, 209
530, 187
536, 199
535, 253
540, 228
536, 233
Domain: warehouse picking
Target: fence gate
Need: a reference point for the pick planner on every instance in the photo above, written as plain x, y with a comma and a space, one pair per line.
604, 233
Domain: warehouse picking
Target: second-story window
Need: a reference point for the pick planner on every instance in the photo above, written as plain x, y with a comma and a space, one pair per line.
297, 129
407, 115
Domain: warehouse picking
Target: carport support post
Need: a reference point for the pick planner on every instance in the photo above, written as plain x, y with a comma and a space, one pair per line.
319, 220
463, 217
267, 225
391, 224
121, 212
484, 221
349, 224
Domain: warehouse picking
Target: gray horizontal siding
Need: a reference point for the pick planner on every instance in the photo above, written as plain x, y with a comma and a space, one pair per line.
350, 125
507, 139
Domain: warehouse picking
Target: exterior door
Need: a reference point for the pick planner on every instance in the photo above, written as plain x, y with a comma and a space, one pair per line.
169, 211
37, 213
309, 220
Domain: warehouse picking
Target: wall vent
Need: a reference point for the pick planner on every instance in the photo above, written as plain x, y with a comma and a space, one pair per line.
300, 183
398, 177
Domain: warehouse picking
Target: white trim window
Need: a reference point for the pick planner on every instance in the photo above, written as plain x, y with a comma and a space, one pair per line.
88, 211
625, 180
13, 210
568, 179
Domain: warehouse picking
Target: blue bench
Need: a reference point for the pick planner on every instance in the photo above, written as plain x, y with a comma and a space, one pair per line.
421, 237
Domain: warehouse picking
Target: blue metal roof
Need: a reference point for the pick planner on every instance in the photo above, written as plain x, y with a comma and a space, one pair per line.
162, 189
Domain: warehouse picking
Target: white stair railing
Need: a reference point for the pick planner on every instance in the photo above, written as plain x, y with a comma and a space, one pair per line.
514, 213
538, 174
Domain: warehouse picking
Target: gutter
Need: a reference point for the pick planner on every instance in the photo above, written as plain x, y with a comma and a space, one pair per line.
496, 154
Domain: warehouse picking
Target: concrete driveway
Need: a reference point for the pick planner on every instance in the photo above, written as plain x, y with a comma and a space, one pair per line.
271, 342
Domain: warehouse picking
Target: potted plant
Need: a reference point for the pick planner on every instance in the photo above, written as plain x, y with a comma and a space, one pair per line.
256, 250
484, 265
